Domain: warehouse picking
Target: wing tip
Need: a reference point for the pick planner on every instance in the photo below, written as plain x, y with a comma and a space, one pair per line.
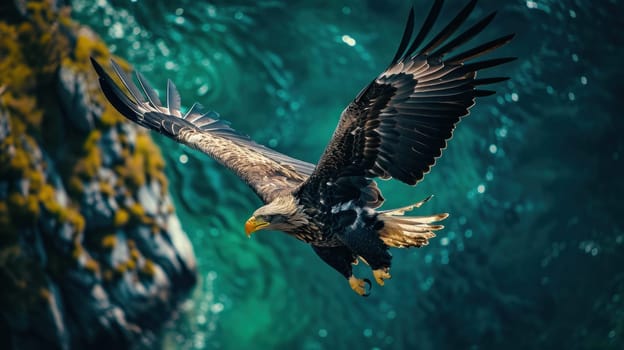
406, 38
487, 81
484, 93
115, 95
442, 37
97, 66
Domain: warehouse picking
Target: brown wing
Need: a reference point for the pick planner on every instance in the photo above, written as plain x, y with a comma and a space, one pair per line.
266, 171
399, 124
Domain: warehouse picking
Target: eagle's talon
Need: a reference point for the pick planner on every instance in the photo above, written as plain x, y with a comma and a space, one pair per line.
359, 285
381, 275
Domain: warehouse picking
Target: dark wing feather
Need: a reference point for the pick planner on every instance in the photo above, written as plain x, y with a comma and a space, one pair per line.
268, 172
400, 123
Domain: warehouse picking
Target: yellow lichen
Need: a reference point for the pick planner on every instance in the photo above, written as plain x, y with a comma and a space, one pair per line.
16, 74
144, 163
109, 241
120, 269
42, 39
134, 171
161, 178
87, 46
147, 220
154, 162
136, 210
63, 214
121, 217
107, 189
19, 162
148, 269
48, 199
74, 217
134, 254
78, 251
110, 117
92, 266
143, 144
32, 206
88, 166
91, 142
36, 181
24, 106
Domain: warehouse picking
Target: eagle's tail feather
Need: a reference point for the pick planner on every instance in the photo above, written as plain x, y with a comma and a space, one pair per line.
408, 231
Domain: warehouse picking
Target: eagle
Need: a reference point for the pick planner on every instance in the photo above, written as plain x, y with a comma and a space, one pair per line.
396, 127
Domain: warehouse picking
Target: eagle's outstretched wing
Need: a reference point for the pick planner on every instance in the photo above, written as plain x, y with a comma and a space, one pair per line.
266, 171
398, 125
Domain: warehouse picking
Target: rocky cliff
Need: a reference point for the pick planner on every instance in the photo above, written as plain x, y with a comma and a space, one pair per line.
91, 251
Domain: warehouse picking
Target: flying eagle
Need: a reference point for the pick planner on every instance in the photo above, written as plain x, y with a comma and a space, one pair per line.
396, 127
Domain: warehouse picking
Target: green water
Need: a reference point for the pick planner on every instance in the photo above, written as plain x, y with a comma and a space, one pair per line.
531, 256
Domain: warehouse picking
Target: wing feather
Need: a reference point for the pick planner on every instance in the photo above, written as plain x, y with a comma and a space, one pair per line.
450, 28
399, 124
173, 99
151, 94
268, 172
424, 30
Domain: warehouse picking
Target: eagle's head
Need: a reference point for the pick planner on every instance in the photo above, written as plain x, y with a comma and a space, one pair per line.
282, 214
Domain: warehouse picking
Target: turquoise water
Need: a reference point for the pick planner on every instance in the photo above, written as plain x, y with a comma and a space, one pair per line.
531, 256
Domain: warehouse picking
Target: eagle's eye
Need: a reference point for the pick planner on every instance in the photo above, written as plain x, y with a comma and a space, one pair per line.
265, 218
272, 219
277, 218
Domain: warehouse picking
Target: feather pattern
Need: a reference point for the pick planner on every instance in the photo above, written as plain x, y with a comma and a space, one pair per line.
268, 172
399, 124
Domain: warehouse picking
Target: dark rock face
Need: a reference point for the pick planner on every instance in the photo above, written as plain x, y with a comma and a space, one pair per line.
92, 254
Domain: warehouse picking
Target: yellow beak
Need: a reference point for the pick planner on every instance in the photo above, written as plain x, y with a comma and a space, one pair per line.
252, 225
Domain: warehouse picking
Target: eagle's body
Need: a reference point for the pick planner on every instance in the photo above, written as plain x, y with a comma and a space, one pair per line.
395, 128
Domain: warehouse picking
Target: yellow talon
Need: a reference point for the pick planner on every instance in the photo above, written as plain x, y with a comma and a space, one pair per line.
359, 285
381, 275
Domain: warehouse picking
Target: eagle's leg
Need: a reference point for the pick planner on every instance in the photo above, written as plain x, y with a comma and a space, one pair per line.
365, 242
342, 259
